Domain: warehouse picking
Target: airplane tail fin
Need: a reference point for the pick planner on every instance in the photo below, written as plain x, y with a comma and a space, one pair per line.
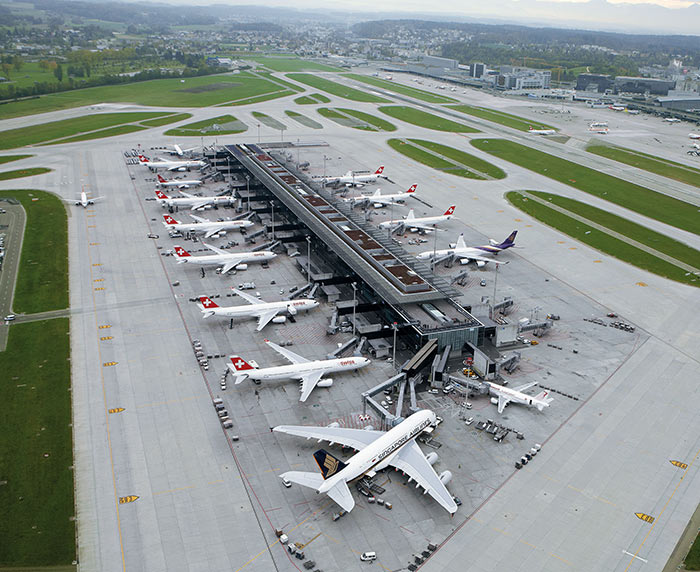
180, 252
161, 179
169, 220
328, 464
510, 241
161, 195
377, 193
450, 211
380, 170
412, 188
410, 215
208, 303
143, 159
460, 242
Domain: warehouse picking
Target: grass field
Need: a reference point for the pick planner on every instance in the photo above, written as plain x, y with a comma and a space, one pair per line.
37, 502
357, 119
160, 121
336, 88
291, 64
67, 127
228, 125
260, 98
200, 91
19, 173
420, 155
109, 132
285, 83
657, 165
311, 99
42, 282
10, 158
520, 123
628, 195
271, 122
425, 119
402, 89
303, 119
692, 561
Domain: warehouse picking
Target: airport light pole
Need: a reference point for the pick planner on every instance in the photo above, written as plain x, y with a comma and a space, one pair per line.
258, 132
393, 357
308, 259
354, 302
247, 189
272, 204
434, 246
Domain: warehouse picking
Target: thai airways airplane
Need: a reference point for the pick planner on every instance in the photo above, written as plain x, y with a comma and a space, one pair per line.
376, 450
475, 253
227, 260
308, 372
84, 200
350, 179
379, 200
426, 223
192, 201
171, 165
532, 131
265, 312
203, 225
179, 183
503, 396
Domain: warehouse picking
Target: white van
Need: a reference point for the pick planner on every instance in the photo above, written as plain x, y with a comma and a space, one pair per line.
368, 556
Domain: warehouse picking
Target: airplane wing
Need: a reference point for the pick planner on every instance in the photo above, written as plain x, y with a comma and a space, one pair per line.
502, 402
341, 494
524, 387
229, 265
308, 382
483, 259
291, 356
411, 460
264, 318
247, 297
212, 231
178, 149
215, 249
355, 438
199, 204
412, 224
184, 194
199, 218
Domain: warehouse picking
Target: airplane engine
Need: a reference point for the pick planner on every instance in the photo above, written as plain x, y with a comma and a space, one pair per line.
242, 267
369, 428
480, 263
378, 205
279, 320
494, 400
326, 382
432, 458
464, 261
292, 310
333, 425
445, 477
493, 242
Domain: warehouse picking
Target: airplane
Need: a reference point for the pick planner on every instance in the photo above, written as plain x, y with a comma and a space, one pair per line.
227, 260
672, 120
171, 165
308, 372
376, 450
421, 224
617, 107
532, 131
263, 311
180, 184
84, 200
475, 253
204, 225
352, 180
379, 200
177, 150
195, 203
694, 135
504, 396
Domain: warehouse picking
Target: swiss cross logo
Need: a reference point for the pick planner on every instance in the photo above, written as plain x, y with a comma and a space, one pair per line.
207, 302
380, 170
170, 220
180, 251
412, 189
240, 364
450, 210
161, 195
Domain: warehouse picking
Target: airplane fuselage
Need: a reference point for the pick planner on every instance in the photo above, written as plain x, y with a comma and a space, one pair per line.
422, 221
295, 371
203, 227
221, 259
251, 310
460, 252
515, 396
180, 183
188, 202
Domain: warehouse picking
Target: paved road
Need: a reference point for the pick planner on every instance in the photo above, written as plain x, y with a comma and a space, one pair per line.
14, 218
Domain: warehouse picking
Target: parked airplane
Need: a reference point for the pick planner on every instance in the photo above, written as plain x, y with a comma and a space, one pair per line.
308, 372
350, 179
672, 120
204, 225
84, 201
179, 183
265, 312
227, 260
532, 131
376, 450
171, 165
195, 203
617, 107
426, 223
177, 150
379, 200
694, 135
475, 253
504, 396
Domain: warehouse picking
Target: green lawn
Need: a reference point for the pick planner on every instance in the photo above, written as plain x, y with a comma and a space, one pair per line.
67, 127
628, 195
657, 165
335, 88
260, 98
228, 125
9, 158
600, 240
291, 64
463, 158
692, 561
271, 122
285, 83
311, 99
159, 122
42, 282
357, 119
36, 448
420, 155
402, 89
304, 120
425, 119
520, 123
19, 173
109, 132
375, 123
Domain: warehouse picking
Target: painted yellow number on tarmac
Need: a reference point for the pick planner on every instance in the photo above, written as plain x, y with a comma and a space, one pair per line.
97, 264
105, 326
99, 280
130, 498
116, 410
99, 288
645, 517
679, 464
91, 226
94, 243
108, 363
103, 338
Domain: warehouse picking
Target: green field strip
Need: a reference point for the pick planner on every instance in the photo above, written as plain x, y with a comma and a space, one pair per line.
424, 119
292, 64
271, 122
514, 121
657, 165
375, 123
402, 89
335, 88
222, 125
111, 132
259, 98
470, 162
281, 82
304, 120
166, 120
634, 197
19, 173
10, 158
312, 99
356, 119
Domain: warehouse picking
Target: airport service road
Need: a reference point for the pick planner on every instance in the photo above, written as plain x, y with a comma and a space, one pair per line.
12, 226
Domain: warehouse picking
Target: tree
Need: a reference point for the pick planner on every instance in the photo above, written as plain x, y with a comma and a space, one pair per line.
17, 63
44, 65
58, 72
6, 69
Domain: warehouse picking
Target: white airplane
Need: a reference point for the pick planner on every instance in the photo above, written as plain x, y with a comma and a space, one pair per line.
265, 312
617, 107
308, 372
379, 200
179, 183
227, 260
195, 203
177, 150
672, 120
475, 253
694, 135
350, 179
504, 396
204, 225
532, 131
84, 200
426, 223
376, 450
171, 165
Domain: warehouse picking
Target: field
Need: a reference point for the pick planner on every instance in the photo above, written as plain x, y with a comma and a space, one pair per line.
356, 119
306, 121
271, 122
425, 119
159, 122
42, 282
9, 158
281, 82
311, 99
336, 88
692, 561
109, 132
222, 125
67, 127
506, 119
628, 195
19, 173
601, 240
662, 167
291, 64
402, 89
